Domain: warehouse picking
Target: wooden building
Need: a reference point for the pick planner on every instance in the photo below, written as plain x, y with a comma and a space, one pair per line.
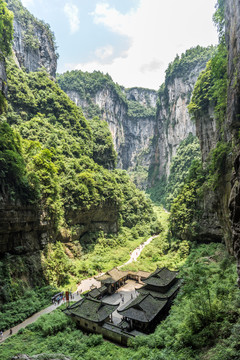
162, 284
115, 278
144, 313
139, 317
153, 302
91, 314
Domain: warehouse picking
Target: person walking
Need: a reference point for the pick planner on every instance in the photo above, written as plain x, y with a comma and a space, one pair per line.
1, 335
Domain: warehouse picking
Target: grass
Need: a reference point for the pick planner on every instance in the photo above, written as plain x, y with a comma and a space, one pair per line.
203, 323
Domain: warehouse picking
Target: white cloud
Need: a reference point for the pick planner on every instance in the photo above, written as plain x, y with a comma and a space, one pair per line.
71, 11
104, 52
158, 30
27, 2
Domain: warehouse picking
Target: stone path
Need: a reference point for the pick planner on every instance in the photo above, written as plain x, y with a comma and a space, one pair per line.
33, 318
85, 285
136, 253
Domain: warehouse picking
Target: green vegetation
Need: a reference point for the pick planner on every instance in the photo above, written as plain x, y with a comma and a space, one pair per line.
6, 29
165, 191
203, 322
184, 64
181, 67
29, 22
88, 84
31, 301
217, 164
163, 250
15, 179
136, 110
211, 87
184, 210
103, 149
60, 162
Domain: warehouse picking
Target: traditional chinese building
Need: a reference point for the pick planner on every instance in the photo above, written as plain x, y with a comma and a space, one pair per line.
115, 278
153, 303
90, 314
144, 313
140, 316
162, 284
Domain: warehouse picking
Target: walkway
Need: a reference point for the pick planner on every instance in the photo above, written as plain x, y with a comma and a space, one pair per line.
123, 297
33, 318
136, 253
85, 285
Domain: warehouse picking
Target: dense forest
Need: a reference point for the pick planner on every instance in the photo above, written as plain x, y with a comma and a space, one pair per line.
61, 164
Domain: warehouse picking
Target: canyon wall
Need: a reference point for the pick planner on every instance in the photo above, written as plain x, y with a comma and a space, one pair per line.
132, 134
173, 120
232, 18
33, 42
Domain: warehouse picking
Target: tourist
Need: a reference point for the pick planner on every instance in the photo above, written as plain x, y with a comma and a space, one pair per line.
1, 335
10, 332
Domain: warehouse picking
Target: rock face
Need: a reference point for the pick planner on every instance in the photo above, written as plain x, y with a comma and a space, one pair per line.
40, 357
33, 42
3, 76
22, 229
173, 120
232, 17
132, 135
103, 218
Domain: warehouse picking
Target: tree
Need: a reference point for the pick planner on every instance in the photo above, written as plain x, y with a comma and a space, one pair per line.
6, 28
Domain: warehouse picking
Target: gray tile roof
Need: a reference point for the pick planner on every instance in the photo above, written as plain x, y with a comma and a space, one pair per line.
161, 277
91, 309
95, 293
158, 293
144, 308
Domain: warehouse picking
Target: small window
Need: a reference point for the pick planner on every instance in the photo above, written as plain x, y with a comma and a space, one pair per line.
86, 324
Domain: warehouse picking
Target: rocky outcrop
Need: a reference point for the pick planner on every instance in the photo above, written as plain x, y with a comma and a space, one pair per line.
104, 218
132, 135
173, 120
33, 42
3, 76
113, 110
232, 17
22, 229
40, 357
145, 97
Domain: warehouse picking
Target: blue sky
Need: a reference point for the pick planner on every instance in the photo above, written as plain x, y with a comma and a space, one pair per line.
132, 40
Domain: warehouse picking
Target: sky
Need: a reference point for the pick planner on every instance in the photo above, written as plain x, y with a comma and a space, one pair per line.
131, 40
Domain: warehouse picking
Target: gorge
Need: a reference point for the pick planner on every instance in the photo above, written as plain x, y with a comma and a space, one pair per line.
75, 150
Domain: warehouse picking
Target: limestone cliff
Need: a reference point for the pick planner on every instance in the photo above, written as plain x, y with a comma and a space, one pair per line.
3, 76
173, 120
221, 205
232, 17
21, 229
33, 42
130, 114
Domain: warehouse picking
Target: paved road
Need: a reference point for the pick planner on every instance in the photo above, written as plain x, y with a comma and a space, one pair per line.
85, 285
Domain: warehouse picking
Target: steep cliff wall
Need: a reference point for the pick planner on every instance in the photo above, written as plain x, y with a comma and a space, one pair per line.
3, 77
232, 16
130, 114
173, 120
33, 42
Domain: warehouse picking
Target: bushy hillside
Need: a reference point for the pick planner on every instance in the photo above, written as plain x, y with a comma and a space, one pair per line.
62, 150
